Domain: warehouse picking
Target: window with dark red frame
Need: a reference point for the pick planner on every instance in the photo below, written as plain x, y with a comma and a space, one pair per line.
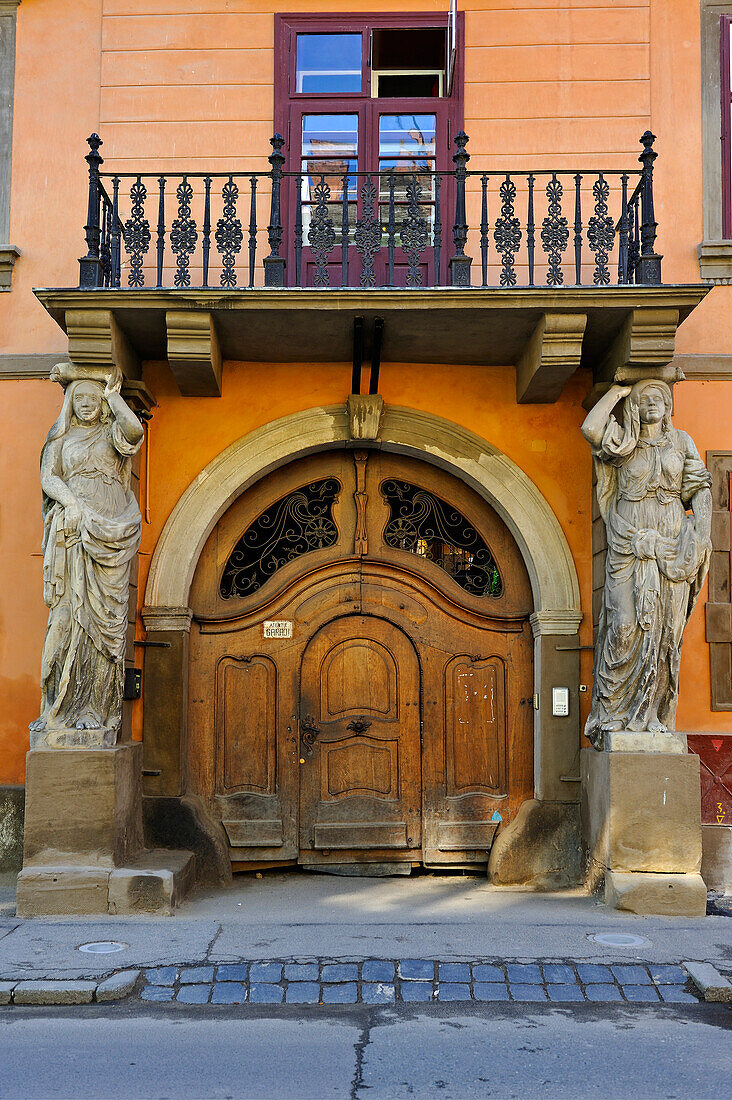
725, 28
368, 106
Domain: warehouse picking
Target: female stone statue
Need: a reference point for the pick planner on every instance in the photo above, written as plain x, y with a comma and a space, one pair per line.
649, 475
92, 530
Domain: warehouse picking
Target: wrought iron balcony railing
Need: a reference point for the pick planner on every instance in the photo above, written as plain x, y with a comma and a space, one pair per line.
340, 228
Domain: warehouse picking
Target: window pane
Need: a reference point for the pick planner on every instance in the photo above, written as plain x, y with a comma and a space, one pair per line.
410, 136
330, 135
328, 63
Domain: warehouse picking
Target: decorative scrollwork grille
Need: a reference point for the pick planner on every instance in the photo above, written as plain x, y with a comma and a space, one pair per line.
300, 522
428, 527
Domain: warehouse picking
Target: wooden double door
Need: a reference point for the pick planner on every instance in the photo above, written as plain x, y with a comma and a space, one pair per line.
361, 673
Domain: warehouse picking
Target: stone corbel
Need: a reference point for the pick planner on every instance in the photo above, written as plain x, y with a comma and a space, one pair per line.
644, 348
194, 354
96, 340
8, 255
551, 357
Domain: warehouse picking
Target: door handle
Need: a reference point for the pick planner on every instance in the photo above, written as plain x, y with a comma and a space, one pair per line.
308, 732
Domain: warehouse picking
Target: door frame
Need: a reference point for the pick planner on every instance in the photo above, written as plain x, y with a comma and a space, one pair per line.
429, 438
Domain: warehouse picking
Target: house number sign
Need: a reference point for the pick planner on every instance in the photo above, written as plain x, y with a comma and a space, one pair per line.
278, 628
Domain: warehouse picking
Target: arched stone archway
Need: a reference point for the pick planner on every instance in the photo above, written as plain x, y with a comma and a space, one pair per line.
422, 435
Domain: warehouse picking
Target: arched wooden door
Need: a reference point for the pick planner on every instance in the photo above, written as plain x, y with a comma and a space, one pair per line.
360, 764
361, 667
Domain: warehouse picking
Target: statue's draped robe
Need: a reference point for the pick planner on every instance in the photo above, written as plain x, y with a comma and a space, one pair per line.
656, 565
86, 580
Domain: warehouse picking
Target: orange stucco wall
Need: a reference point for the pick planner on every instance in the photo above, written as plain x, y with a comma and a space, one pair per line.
549, 83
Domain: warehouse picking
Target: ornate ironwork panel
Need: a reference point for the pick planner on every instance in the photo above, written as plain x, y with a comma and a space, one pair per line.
554, 232
229, 235
136, 234
601, 232
321, 234
183, 234
507, 232
295, 525
428, 527
367, 237
414, 232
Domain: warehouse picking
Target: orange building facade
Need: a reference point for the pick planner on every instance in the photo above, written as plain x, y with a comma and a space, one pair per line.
250, 390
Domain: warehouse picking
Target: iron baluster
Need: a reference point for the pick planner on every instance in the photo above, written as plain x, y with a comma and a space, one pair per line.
530, 227
484, 229
391, 232
578, 228
252, 228
206, 228
507, 232
321, 233
116, 234
623, 230
161, 229
414, 232
344, 231
137, 234
183, 234
649, 262
229, 233
460, 263
554, 232
105, 250
367, 237
90, 268
601, 231
437, 232
298, 231
274, 264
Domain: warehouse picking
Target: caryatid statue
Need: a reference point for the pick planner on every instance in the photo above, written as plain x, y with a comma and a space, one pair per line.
92, 531
653, 491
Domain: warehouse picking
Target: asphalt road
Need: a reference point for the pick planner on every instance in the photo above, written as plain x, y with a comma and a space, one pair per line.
442, 1052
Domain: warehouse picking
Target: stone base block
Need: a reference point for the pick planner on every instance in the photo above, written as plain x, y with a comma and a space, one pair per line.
717, 857
633, 741
673, 895
62, 891
71, 738
155, 882
83, 806
642, 811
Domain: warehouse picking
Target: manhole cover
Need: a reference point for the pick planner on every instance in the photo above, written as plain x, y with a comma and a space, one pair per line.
619, 939
102, 947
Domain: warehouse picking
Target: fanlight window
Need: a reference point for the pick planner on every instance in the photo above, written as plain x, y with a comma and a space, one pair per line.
428, 527
298, 523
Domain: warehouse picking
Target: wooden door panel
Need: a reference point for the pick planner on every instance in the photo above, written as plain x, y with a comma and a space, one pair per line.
247, 725
475, 726
359, 765
360, 788
358, 675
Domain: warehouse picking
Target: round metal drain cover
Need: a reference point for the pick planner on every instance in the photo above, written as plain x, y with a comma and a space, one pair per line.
102, 947
619, 939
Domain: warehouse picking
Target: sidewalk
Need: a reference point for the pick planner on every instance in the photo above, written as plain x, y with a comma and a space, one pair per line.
392, 940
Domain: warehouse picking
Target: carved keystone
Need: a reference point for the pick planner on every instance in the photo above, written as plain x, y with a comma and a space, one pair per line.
194, 353
364, 415
551, 357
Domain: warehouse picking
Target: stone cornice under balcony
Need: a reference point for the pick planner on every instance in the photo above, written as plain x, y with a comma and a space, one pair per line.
546, 332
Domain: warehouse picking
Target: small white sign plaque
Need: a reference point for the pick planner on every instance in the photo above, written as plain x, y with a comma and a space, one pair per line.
278, 628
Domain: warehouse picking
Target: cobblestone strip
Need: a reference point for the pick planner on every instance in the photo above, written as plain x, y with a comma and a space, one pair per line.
415, 981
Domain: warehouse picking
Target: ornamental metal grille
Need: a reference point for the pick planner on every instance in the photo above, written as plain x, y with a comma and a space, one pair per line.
424, 525
295, 525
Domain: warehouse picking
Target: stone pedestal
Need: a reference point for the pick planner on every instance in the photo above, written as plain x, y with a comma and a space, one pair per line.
641, 825
83, 851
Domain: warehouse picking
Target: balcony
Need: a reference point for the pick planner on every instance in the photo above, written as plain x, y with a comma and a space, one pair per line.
467, 266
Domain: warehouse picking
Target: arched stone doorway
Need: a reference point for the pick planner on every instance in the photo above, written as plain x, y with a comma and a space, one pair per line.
434, 442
